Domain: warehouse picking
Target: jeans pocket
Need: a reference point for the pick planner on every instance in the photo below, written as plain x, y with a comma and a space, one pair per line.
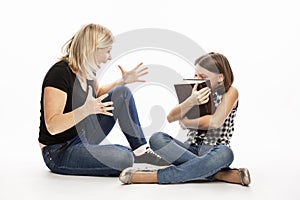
51, 155
48, 159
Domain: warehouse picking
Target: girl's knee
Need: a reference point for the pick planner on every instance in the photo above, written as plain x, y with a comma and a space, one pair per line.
226, 153
158, 140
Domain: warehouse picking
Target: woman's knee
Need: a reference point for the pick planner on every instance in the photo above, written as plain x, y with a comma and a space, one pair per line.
121, 95
124, 159
116, 157
158, 140
121, 90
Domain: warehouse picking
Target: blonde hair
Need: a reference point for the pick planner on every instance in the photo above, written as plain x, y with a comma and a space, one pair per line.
79, 50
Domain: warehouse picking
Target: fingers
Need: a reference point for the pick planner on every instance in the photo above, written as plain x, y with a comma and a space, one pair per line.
204, 90
203, 99
103, 96
121, 68
140, 81
106, 104
134, 74
142, 74
103, 108
107, 113
143, 70
138, 65
96, 106
123, 71
203, 95
195, 87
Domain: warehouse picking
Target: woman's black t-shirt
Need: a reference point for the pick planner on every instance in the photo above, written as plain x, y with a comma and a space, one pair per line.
60, 76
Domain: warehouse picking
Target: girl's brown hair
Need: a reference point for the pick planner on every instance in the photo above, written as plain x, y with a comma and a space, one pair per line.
217, 63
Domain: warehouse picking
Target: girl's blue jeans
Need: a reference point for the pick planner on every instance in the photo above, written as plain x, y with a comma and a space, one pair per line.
190, 162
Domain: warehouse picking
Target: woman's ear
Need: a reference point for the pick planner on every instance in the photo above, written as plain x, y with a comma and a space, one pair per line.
220, 78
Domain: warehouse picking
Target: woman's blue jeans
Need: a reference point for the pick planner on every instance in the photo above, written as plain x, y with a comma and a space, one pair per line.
84, 155
190, 162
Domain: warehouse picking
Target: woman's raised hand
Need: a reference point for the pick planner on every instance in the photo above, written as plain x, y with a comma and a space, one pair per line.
96, 106
134, 74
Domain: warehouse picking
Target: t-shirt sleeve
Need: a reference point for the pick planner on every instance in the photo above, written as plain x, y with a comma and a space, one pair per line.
58, 77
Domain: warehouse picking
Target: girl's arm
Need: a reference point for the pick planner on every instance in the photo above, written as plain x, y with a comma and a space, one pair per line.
54, 103
217, 119
179, 111
196, 98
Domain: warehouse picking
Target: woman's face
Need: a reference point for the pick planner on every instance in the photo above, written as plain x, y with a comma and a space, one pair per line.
202, 73
102, 55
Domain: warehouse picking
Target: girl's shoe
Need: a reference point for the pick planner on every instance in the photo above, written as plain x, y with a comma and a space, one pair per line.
126, 175
245, 176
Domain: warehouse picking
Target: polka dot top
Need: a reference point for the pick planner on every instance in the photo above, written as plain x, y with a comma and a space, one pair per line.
217, 136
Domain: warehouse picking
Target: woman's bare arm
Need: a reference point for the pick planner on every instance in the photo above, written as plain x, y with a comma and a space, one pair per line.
54, 103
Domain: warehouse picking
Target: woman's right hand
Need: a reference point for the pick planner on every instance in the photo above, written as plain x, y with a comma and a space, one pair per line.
199, 97
94, 105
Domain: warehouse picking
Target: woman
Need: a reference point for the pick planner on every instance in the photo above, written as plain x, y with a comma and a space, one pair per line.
77, 114
206, 154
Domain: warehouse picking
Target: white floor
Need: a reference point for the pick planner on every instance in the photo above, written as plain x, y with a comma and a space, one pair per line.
31, 181
24, 176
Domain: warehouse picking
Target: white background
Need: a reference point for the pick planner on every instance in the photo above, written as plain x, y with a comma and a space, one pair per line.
260, 39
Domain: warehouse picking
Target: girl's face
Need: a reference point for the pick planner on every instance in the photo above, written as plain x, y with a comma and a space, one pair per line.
215, 79
102, 55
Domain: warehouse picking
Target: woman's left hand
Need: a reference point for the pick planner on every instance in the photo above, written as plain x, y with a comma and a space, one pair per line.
134, 74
